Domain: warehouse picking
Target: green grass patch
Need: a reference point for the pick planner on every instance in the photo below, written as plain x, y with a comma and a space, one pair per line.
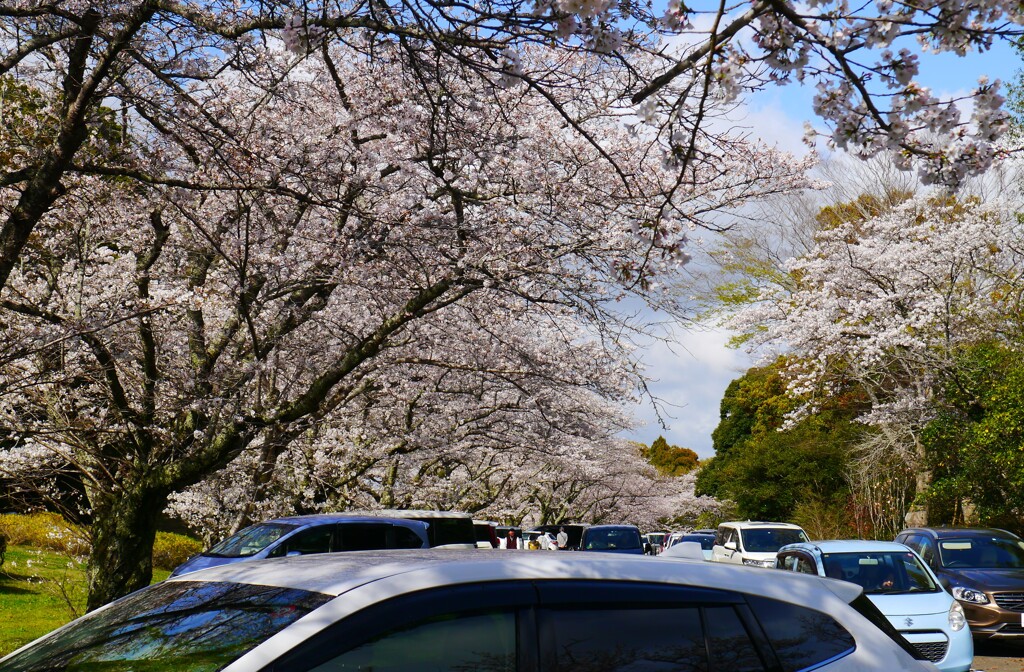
41, 590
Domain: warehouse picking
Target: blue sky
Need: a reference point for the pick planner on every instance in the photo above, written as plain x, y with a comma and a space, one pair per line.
691, 374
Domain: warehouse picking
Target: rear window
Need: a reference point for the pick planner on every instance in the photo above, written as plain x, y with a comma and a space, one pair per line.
483, 532
706, 541
611, 539
178, 625
450, 531
802, 638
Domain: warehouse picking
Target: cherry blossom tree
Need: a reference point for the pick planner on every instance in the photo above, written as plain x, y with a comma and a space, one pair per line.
885, 302
151, 63
322, 260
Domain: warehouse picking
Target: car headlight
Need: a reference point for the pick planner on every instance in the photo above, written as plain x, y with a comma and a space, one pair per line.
759, 563
957, 620
969, 595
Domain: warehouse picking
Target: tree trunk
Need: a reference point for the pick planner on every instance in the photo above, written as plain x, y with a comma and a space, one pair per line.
123, 533
917, 516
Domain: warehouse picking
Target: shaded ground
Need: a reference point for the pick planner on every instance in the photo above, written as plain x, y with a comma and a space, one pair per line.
999, 657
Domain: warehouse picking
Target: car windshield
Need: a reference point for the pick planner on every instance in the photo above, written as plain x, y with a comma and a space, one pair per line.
770, 540
612, 540
250, 541
177, 625
982, 553
880, 573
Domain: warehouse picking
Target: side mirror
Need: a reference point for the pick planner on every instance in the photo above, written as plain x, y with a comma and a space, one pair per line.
731, 545
292, 554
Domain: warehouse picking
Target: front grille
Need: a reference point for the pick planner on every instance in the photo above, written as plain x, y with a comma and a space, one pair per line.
933, 651
1010, 601
1011, 629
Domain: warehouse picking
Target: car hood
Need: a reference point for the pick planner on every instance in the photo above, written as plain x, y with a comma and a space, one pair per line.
197, 562
912, 604
988, 579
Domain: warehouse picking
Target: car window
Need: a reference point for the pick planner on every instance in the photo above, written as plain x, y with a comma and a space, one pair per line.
611, 539
770, 540
912, 541
362, 536
406, 538
478, 641
706, 542
729, 645
881, 573
805, 565
982, 553
176, 625
802, 638
927, 551
444, 531
250, 541
604, 640
317, 539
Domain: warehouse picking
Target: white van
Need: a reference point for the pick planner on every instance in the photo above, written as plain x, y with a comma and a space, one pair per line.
754, 543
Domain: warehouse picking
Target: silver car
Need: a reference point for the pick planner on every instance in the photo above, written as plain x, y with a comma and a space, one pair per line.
509, 612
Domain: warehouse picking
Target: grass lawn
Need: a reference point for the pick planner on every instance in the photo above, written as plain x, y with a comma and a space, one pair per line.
40, 590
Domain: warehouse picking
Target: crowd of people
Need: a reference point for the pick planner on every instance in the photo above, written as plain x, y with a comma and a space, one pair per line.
535, 540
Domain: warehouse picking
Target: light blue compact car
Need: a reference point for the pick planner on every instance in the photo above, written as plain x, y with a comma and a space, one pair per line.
305, 535
903, 588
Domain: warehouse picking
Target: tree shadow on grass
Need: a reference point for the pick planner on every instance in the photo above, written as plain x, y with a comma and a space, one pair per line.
8, 584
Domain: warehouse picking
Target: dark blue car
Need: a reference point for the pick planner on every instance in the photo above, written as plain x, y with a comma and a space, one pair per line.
612, 539
303, 535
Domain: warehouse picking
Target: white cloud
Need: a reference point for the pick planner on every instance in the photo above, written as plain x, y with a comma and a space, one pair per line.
689, 375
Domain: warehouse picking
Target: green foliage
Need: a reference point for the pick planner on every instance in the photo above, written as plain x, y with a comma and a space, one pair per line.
170, 550
47, 531
752, 405
976, 444
669, 460
863, 208
824, 518
769, 473
30, 124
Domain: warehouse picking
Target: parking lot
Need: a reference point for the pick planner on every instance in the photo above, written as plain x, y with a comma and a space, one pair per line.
999, 657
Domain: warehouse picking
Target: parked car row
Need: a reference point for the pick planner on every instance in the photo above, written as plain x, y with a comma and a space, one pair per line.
837, 605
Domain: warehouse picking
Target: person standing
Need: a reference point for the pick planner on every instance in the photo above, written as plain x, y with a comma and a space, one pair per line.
511, 542
562, 539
